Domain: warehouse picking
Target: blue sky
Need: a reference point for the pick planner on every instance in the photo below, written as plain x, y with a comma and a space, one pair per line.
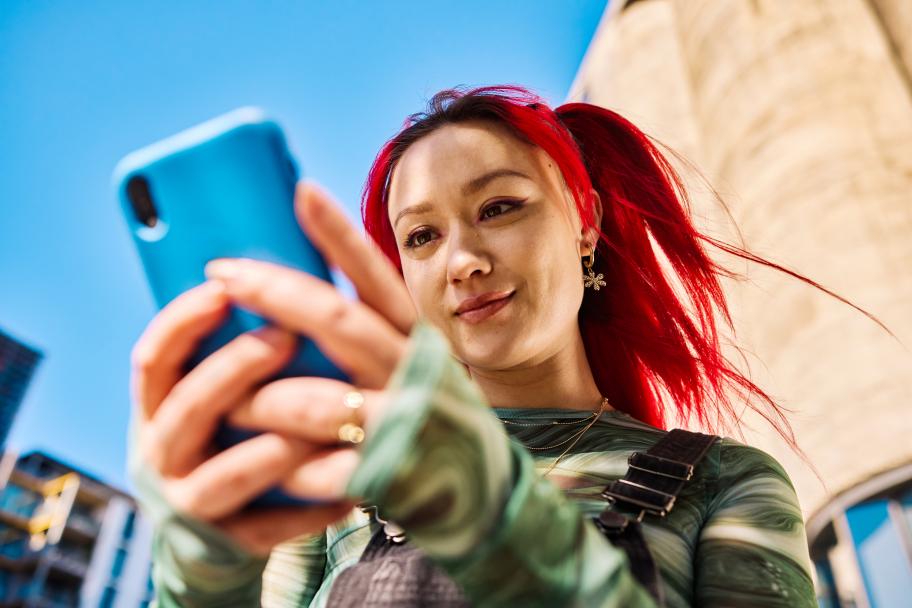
83, 83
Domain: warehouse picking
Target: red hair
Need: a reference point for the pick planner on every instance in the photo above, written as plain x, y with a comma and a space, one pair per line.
648, 352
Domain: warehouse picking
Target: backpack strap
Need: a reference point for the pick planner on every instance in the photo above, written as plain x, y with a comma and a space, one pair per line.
655, 477
651, 485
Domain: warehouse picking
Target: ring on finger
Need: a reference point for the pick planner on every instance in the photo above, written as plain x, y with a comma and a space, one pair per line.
351, 432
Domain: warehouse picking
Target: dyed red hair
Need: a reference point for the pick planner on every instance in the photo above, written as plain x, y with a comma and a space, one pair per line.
649, 351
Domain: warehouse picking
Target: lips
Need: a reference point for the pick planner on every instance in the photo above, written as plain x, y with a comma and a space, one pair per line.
484, 299
477, 309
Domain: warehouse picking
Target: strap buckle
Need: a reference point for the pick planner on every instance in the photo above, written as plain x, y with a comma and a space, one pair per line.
661, 506
614, 523
657, 465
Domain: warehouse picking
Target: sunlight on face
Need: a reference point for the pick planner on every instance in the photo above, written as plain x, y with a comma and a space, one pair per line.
469, 224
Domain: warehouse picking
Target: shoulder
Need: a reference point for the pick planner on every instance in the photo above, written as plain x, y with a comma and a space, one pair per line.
739, 461
754, 524
751, 480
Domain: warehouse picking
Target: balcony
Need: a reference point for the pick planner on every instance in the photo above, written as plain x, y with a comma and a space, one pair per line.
83, 525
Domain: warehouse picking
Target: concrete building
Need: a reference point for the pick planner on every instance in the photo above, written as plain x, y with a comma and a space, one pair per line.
67, 539
800, 115
17, 365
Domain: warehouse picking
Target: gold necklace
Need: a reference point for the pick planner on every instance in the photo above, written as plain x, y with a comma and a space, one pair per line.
574, 438
552, 423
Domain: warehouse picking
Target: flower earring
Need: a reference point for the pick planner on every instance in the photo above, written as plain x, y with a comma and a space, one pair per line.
590, 279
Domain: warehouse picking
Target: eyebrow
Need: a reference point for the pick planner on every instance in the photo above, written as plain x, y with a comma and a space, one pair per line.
470, 187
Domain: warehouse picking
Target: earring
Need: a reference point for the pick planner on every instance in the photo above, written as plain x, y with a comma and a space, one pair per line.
590, 279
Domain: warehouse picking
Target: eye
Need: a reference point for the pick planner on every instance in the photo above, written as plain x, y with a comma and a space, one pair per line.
417, 238
499, 208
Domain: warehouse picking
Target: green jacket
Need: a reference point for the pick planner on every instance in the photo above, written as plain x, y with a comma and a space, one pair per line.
469, 493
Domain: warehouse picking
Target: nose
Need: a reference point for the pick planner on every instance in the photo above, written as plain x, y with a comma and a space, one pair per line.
467, 256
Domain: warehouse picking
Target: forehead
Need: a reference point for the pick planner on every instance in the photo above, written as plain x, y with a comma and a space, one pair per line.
438, 165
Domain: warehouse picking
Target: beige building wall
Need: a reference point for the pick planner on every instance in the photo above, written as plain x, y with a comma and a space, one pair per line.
664, 108
800, 113
896, 19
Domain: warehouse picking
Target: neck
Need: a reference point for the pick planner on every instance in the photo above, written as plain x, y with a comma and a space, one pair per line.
561, 380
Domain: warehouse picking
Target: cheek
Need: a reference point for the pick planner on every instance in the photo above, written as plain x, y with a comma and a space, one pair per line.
421, 285
560, 279
553, 260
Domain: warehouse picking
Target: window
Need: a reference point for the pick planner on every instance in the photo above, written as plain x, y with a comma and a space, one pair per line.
882, 558
117, 567
107, 598
129, 524
827, 593
905, 504
861, 543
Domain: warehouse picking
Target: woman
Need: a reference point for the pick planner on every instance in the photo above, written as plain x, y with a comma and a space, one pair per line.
534, 344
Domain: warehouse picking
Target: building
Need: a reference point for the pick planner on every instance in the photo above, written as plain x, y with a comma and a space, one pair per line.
800, 115
67, 539
17, 365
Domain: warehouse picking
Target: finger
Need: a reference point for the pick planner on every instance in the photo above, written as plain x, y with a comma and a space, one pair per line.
354, 336
378, 283
223, 484
169, 339
323, 475
311, 409
187, 417
262, 529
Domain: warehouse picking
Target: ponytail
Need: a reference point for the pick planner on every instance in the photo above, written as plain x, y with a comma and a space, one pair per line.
646, 349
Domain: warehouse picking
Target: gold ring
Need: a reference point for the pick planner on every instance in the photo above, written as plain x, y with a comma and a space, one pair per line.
351, 432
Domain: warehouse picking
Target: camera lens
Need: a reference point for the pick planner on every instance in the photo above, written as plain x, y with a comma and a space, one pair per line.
141, 200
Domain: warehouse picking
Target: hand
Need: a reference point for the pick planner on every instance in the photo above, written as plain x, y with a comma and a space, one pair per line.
179, 415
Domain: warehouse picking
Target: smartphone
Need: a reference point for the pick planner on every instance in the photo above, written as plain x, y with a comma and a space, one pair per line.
224, 188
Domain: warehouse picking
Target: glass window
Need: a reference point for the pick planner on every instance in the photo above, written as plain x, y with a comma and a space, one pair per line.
826, 584
107, 598
128, 525
20, 501
117, 567
905, 501
884, 565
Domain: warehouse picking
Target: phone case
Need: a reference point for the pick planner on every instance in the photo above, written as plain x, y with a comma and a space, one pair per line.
224, 188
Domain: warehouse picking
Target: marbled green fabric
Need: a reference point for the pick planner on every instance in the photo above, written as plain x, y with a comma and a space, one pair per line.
468, 490
193, 563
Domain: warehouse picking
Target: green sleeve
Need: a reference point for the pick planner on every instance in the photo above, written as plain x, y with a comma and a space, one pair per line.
294, 572
440, 465
194, 564
753, 547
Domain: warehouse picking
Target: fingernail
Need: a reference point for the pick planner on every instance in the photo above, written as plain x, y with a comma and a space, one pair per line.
222, 269
274, 335
314, 204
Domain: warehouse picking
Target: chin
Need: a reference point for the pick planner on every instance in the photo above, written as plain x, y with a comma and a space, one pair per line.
493, 350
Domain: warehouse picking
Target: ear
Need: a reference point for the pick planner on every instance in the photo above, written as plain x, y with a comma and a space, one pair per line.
589, 236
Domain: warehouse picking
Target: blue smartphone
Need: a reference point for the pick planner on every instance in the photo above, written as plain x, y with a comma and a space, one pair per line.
224, 188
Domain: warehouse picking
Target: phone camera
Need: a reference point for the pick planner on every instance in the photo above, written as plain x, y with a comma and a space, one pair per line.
141, 200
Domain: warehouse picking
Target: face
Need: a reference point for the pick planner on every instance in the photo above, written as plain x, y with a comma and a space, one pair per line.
490, 243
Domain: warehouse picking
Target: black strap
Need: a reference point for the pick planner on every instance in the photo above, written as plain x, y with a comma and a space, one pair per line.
655, 477
651, 485
391, 574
